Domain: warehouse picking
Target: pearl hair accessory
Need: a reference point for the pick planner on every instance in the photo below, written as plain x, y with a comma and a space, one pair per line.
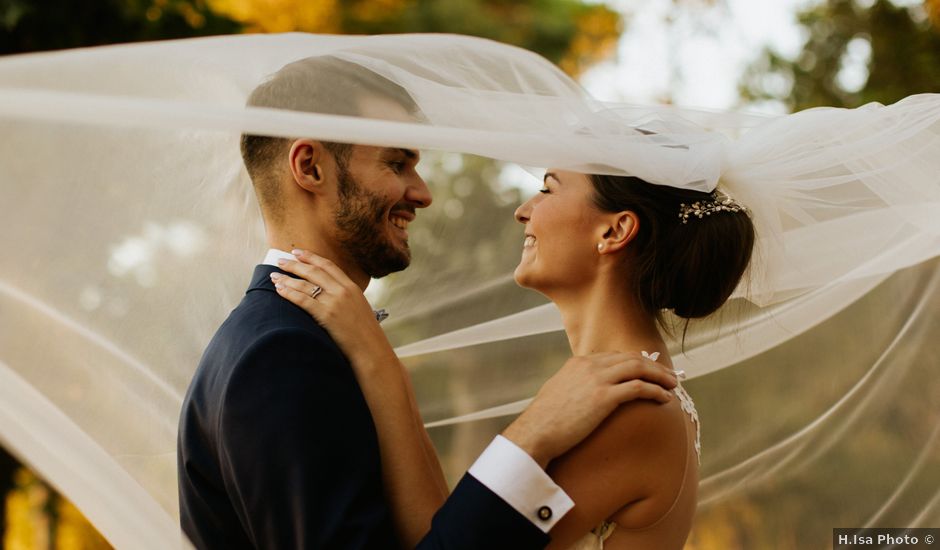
717, 202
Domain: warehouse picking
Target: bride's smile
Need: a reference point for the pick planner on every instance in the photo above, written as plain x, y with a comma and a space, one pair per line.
561, 229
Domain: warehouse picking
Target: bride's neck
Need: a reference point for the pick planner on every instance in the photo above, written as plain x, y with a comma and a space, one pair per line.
604, 316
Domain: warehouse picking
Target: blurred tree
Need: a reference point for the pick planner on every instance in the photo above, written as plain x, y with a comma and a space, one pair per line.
853, 55
38, 518
8, 465
572, 33
36, 25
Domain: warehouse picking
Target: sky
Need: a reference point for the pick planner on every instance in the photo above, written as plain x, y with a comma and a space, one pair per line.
698, 57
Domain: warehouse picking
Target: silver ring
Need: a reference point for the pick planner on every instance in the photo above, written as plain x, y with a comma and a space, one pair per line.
316, 291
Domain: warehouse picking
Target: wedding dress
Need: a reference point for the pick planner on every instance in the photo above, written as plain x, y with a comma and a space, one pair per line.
130, 229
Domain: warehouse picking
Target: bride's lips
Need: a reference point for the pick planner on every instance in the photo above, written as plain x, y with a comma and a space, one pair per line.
529, 242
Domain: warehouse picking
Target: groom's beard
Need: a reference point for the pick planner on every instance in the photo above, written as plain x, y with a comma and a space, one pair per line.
361, 221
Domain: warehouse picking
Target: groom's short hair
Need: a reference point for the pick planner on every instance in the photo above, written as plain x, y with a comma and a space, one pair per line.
321, 84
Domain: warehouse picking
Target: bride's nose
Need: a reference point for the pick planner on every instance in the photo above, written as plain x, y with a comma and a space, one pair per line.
522, 213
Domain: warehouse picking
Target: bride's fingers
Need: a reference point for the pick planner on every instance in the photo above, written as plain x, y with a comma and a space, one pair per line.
313, 273
297, 291
328, 267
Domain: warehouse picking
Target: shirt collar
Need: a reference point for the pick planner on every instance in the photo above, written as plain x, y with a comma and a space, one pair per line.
273, 255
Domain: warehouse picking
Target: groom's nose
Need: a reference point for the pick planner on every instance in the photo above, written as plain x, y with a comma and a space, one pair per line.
418, 193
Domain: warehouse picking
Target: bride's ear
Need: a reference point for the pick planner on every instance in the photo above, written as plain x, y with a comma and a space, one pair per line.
306, 159
621, 229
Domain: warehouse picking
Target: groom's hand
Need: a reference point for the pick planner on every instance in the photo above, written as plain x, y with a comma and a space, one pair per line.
574, 401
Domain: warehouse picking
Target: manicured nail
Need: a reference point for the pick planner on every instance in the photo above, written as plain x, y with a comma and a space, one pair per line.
282, 262
276, 276
279, 286
296, 252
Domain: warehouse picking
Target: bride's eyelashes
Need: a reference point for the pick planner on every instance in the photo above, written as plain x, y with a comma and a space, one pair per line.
544, 190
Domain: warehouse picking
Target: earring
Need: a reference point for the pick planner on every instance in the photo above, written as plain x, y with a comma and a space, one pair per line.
600, 246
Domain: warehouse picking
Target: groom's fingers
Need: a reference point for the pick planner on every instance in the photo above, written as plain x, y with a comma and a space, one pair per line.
639, 389
642, 369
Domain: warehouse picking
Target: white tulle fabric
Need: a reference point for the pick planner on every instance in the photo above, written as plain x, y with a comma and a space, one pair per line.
130, 230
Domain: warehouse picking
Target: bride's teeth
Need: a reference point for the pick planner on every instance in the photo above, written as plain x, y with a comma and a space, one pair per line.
529, 241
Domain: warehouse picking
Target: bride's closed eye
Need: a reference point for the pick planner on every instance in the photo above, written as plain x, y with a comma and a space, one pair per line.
544, 190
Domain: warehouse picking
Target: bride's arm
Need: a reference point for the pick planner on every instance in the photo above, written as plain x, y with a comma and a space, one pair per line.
414, 483
413, 478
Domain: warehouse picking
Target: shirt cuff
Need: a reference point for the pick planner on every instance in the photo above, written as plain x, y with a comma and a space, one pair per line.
515, 477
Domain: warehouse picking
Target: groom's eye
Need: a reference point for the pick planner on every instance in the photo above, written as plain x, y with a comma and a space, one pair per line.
397, 166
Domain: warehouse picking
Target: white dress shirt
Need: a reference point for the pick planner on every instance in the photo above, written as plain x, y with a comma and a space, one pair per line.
506, 469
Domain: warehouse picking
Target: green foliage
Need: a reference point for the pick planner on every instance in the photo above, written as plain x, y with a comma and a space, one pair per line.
571, 33
37, 25
553, 28
905, 57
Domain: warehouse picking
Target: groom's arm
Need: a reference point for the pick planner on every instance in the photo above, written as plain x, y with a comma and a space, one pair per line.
567, 408
505, 500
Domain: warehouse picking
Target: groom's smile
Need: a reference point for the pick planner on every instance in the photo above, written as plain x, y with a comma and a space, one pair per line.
378, 196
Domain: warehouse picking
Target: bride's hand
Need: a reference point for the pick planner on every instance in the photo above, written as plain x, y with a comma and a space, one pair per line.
414, 482
335, 301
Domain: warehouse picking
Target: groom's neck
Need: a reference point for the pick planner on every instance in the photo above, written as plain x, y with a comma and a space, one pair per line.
320, 247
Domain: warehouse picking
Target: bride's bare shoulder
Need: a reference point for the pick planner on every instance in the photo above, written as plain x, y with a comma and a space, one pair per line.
635, 459
644, 432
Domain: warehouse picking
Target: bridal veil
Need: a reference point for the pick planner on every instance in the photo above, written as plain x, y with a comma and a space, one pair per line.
130, 230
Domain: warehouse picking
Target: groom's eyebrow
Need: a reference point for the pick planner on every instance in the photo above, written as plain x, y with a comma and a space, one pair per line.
411, 154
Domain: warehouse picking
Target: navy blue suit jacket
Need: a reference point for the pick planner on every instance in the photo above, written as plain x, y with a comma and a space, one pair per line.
277, 449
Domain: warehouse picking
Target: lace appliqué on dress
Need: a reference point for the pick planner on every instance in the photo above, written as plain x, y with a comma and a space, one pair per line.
603, 532
687, 405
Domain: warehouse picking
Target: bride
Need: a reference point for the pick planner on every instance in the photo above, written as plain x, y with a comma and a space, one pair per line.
612, 253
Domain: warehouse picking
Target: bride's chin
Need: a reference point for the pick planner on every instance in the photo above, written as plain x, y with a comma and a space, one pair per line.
522, 277
519, 276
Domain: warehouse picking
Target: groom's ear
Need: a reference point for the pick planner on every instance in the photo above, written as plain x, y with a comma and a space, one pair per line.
621, 228
306, 159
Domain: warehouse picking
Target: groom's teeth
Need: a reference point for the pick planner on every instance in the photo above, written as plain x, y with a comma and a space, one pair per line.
529, 241
400, 223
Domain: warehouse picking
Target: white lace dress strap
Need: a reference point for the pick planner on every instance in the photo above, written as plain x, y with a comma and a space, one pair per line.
686, 403
689, 407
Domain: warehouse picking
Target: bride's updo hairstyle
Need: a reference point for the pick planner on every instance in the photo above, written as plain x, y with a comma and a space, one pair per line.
690, 268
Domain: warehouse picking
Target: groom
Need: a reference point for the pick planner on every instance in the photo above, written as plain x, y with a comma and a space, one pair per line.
277, 448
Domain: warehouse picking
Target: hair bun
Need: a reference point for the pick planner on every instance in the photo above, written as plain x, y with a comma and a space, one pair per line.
691, 249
